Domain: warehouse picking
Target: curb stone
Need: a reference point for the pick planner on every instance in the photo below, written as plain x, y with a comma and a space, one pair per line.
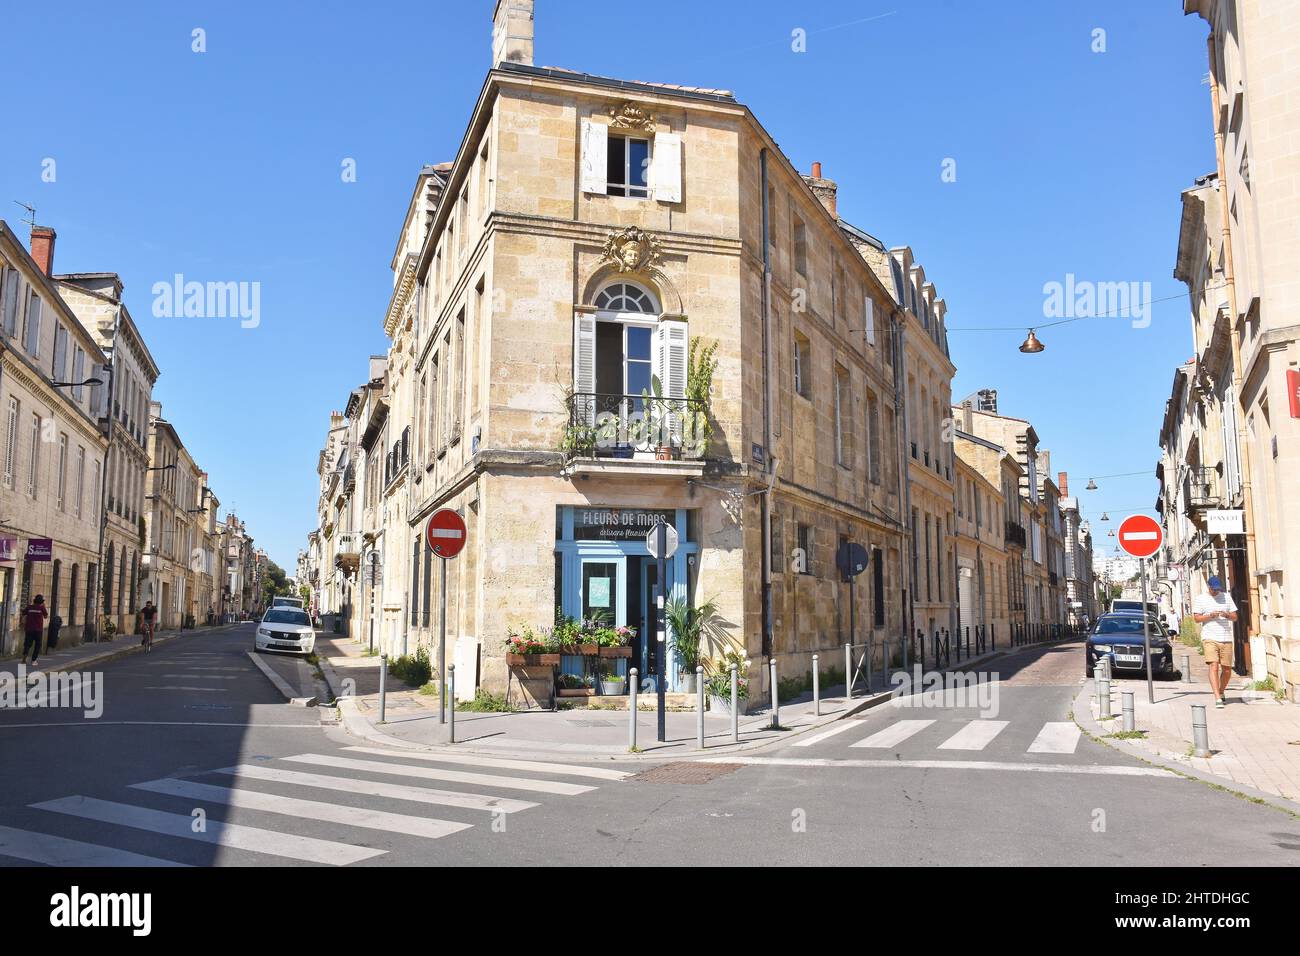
1082, 716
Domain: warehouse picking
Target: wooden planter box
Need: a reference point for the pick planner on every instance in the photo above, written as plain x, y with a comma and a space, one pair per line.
616, 651
576, 692
586, 650
533, 660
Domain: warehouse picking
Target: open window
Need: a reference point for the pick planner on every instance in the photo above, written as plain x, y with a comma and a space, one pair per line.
640, 164
629, 372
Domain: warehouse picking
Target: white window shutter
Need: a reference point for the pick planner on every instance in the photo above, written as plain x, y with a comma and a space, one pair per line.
595, 156
869, 320
670, 367
666, 176
584, 367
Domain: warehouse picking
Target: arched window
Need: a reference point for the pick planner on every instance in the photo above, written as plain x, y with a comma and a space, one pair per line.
626, 297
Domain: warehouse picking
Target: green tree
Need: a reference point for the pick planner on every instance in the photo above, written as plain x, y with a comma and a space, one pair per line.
275, 583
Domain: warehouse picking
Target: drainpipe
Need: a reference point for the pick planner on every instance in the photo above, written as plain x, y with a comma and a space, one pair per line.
92, 613
898, 322
1243, 444
765, 501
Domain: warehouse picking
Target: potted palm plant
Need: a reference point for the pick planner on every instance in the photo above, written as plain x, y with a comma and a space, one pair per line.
691, 627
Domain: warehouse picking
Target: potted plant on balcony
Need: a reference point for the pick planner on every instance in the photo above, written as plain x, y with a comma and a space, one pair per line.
697, 426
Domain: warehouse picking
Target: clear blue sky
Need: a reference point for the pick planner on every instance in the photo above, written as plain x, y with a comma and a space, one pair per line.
225, 166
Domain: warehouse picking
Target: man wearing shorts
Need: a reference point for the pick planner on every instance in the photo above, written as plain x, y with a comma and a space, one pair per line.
1215, 612
148, 614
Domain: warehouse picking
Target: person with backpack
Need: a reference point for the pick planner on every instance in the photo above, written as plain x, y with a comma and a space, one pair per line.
148, 614
34, 616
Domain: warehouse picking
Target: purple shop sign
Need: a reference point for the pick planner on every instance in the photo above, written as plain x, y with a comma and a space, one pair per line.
40, 549
8, 548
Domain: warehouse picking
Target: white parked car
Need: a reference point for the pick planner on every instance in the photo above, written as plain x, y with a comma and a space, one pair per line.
285, 629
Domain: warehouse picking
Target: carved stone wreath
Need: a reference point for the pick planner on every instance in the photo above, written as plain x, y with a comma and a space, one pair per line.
630, 116
631, 250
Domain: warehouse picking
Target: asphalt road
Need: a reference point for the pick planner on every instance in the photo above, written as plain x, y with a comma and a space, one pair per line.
197, 761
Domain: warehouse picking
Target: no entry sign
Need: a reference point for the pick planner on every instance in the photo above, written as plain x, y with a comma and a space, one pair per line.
1140, 536
445, 533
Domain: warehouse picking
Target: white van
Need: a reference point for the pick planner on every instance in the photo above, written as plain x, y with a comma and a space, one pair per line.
287, 602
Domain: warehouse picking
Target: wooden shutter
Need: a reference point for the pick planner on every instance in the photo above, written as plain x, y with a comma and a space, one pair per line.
666, 179
584, 368
595, 156
670, 365
869, 320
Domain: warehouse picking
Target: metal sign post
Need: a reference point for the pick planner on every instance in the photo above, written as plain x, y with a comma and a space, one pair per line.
661, 542
445, 534
1146, 634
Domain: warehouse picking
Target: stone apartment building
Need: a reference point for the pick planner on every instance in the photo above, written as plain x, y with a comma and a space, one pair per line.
96, 297
556, 291
52, 449
1080, 592
1255, 121
982, 607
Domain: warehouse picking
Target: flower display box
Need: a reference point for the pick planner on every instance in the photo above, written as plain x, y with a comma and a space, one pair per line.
576, 692
533, 660
586, 650
607, 652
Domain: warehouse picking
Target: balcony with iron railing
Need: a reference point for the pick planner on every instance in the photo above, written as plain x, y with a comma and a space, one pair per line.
1201, 491
633, 433
1015, 533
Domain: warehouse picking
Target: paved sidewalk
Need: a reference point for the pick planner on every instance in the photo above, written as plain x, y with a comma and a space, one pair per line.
412, 718
71, 657
1254, 740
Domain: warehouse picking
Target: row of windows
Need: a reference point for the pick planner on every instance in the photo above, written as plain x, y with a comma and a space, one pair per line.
23, 315
71, 492
842, 410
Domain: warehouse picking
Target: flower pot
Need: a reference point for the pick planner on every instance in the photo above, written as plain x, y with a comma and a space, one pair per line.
722, 705
665, 453
612, 687
576, 692
607, 652
533, 660
688, 683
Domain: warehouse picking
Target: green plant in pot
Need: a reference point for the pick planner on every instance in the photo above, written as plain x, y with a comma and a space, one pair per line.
691, 628
612, 685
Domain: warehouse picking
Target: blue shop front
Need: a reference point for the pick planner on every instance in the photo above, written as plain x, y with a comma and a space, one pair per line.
603, 568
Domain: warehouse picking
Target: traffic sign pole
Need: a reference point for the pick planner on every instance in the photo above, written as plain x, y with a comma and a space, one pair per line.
1146, 635
445, 535
442, 647
661, 623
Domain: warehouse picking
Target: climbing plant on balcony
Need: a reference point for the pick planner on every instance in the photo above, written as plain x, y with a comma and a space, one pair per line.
700, 366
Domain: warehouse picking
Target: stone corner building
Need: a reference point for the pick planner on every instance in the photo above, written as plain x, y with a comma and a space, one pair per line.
555, 289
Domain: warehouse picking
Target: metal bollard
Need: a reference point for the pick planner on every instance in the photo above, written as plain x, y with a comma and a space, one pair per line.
848, 671
817, 690
776, 703
735, 706
1103, 692
451, 705
383, 686
1187, 669
632, 678
1200, 734
699, 706
1126, 702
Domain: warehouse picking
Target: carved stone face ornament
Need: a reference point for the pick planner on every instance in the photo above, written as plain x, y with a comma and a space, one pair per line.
631, 250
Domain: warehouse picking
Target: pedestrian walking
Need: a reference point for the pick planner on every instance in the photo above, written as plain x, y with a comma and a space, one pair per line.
1215, 612
34, 616
147, 614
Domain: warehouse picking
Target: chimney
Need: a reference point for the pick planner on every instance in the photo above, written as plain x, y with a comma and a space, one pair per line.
512, 32
823, 189
1063, 482
43, 248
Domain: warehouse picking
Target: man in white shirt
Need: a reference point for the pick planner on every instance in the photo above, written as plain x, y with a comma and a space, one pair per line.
1215, 612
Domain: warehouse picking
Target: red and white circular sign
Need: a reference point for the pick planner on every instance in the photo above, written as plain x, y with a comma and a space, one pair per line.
445, 533
1140, 536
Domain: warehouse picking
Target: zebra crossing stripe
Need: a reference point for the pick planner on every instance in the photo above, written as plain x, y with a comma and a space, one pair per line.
976, 735
564, 769
1056, 738
376, 788
436, 773
894, 734
837, 728
428, 827
235, 836
59, 851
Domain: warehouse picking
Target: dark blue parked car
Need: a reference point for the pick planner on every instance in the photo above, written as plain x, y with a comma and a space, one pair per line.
1119, 637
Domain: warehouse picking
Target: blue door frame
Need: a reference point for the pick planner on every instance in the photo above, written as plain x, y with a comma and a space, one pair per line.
574, 553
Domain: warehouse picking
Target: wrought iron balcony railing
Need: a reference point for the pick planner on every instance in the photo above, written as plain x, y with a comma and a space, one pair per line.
1015, 533
619, 426
1201, 490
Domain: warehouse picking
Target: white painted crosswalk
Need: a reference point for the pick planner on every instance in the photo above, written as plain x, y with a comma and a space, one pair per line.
284, 810
1053, 737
